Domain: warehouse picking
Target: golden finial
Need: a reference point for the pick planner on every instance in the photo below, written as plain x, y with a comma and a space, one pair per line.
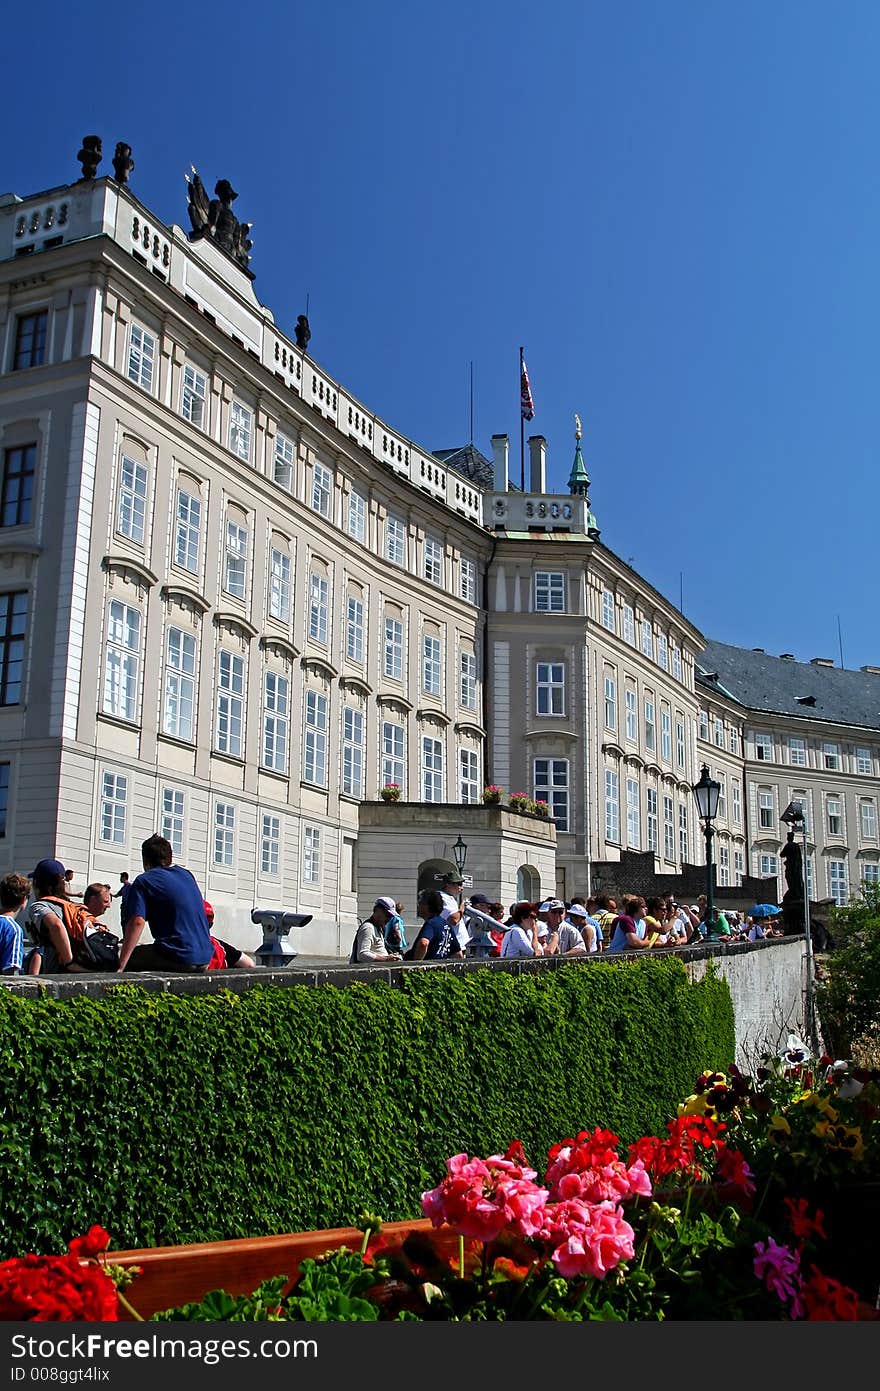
577, 426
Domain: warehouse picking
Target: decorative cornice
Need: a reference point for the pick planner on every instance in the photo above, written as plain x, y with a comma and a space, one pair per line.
320, 664
469, 727
281, 644
126, 564
356, 683
224, 619
389, 698
430, 712
186, 595
550, 731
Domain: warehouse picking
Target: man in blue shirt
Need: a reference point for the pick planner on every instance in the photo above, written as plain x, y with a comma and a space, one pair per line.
436, 940
167, 896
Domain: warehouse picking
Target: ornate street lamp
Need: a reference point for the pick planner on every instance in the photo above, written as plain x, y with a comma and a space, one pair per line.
459, 854
706, 793
794, 817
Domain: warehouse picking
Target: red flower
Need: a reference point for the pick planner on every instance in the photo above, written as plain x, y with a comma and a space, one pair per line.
56, 1289
804, 1228
827, 1300
91, 1245
733, 1170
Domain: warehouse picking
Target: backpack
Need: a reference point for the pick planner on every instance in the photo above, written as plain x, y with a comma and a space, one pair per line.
92, 945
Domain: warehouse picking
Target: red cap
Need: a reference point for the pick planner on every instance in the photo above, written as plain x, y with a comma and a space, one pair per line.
209, 912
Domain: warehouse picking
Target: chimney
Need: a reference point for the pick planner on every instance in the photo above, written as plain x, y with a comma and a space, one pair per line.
537, 464
786, 656
500, 448
821, 662
758, 649
872, 671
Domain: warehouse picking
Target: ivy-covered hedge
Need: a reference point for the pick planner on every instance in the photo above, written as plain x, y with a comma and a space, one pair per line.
193, 1118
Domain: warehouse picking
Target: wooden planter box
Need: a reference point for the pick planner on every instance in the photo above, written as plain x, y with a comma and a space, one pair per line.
173, 1275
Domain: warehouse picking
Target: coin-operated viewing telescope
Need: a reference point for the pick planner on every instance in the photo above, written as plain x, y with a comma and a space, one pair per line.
480, 925
276, 948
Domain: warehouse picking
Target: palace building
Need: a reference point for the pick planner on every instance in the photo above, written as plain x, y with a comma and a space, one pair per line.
235, 604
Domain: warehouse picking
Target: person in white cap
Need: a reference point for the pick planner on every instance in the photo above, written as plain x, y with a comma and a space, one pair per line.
578, 915
563, 938
369, 944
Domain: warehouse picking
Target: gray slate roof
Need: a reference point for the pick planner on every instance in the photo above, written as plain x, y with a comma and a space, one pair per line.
470, 463
759, 681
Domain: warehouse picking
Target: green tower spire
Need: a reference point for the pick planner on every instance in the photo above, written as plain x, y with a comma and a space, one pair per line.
579, 481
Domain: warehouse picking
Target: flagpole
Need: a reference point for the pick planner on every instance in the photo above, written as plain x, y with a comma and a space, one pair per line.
522, 431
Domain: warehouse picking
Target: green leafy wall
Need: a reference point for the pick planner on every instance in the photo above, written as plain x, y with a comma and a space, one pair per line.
187, 1118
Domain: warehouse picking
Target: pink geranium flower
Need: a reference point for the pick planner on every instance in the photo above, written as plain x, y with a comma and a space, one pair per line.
480, 1197
587, 1239
779, 1268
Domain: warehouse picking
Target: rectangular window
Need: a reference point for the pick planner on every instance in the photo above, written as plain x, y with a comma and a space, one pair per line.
763, 748
612, 807
311, 855
608, 610
768, 867
668, 829
132, 511
723, 864
651, 821
241, 424
719, 733
357, 516
683, 840
864, 762
551, 786
647, 638
178, 713
393, 755
122, 665
392, 658
870, 874
114, 797
141, 357
766, 810
468, 776
171, 818
704, 724
550, 686
739, 866
16, 502
733, 739
676, 662
318, 598
831, 757
633, 819
30, 340
722, 793
270, 845
467, 680
837, 882
650, 726
432, 770
629, 624
282, 462
354, 631
13, 623
352, 752
224, 835
279, 585
549, 592
868, 820
194, 396
834, 813
276, 721
431, 665
433, 561
322, 489
467, 581
679, 744
736, 803
235, 564
4, 798
230, 704
610, 703
797, 753
663, 651
630, 719
395, 540
315, 757
666, 736
186, 531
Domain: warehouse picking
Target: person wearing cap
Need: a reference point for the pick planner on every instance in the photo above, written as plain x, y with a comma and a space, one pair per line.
585, 926
395, 931
563, 938
451, 911
167, 896
369, 943
50, 945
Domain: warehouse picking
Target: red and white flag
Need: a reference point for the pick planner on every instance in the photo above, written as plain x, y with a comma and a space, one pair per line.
527, 405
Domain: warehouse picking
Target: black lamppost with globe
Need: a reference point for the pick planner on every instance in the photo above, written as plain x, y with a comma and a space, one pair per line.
706, 793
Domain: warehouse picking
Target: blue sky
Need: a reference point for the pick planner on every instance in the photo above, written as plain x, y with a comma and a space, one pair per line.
674, 205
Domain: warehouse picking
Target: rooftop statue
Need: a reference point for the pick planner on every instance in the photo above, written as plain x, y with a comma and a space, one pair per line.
90, 155
214, 218
122, 162
302, 332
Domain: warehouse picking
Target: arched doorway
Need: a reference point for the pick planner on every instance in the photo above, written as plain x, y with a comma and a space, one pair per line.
528, 884
428, 871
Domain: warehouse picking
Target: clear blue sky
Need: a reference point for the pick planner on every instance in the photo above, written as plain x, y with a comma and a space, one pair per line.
674, 205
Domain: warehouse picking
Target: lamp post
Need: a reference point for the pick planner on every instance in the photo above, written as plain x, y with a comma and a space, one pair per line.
459, 854
795, 817
706, 793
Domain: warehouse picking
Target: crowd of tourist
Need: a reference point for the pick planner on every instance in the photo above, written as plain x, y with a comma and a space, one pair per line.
452, 929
